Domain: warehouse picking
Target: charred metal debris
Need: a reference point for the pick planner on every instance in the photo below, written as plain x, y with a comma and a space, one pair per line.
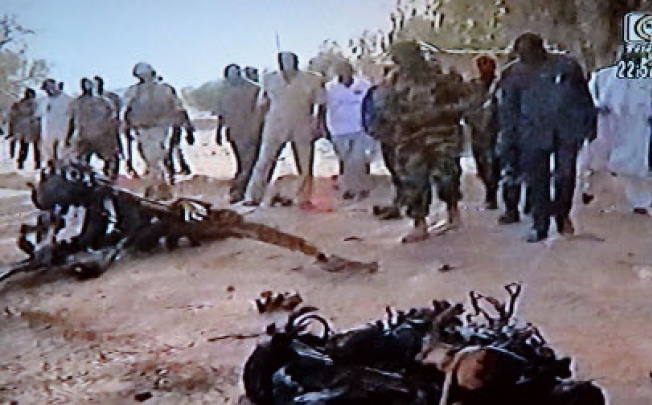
442, 354
85, 223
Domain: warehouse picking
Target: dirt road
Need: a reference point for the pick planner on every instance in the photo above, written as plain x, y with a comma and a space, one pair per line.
143, 327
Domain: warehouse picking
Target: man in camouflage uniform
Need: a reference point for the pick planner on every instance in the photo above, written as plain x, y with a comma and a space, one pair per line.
93, 128
418, 117
152, 109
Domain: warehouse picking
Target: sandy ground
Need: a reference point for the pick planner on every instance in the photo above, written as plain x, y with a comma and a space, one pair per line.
144, 326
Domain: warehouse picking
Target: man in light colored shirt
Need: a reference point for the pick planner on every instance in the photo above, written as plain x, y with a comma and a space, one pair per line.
236, 110
55, 116
344, 95
289, 97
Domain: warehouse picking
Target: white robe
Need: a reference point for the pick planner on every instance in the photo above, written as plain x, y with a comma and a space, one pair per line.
55, 117
623, 142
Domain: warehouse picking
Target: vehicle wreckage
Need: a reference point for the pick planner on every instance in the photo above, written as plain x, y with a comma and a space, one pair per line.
441, 354
116, 221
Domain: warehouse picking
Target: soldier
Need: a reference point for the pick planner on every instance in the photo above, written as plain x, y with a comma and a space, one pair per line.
94, 121
420, 118
25, 128
289, 97
55, 117
545, 108
236, 110
152, 108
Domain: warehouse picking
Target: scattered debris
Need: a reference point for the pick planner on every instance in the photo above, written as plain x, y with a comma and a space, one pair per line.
336, 264
116, 221
270, 302
236, 336
445, 267
441, 354
143, 396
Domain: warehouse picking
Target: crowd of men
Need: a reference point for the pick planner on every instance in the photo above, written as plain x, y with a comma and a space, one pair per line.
537, 107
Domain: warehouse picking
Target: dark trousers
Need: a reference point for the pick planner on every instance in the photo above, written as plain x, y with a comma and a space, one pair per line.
512, 198
389, 156
24, 151
246, 153
175, 153
536, 167
488, 167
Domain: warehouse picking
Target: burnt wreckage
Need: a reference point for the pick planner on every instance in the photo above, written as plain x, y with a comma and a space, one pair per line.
439, 355
114, 221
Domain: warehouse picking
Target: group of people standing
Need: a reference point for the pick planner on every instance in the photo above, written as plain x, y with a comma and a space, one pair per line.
149, 118
537, 109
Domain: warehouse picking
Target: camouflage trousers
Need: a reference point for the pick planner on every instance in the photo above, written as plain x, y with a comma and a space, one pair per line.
431, 159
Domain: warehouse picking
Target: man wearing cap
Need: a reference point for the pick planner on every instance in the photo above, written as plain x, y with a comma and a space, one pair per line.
236, 110
289, 97
545, 109
55, 116
152, 108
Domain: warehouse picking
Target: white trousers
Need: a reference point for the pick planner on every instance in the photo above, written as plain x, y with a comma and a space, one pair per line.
154, 143
638, 190
276, 134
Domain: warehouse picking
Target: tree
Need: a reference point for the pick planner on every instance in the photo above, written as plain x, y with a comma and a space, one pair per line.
590, 29
17, 71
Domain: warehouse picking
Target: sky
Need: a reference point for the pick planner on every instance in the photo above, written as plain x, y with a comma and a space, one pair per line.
188, 42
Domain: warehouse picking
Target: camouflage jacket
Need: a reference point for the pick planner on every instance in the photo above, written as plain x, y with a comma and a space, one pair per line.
428, 107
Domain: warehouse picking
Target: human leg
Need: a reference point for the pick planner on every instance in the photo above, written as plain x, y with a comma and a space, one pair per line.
271, 147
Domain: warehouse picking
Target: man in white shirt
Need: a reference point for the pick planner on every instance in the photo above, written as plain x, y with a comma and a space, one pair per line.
55, 117
289, 97
344, 95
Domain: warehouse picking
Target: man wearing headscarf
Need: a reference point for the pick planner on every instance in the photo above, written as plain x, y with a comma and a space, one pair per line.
623, 134
545, 109
289, 97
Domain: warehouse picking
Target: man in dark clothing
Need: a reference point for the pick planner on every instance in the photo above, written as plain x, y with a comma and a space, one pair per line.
545, 109
25, 128
482, 123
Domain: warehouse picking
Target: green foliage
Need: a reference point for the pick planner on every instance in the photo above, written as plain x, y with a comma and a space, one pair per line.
17, 71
